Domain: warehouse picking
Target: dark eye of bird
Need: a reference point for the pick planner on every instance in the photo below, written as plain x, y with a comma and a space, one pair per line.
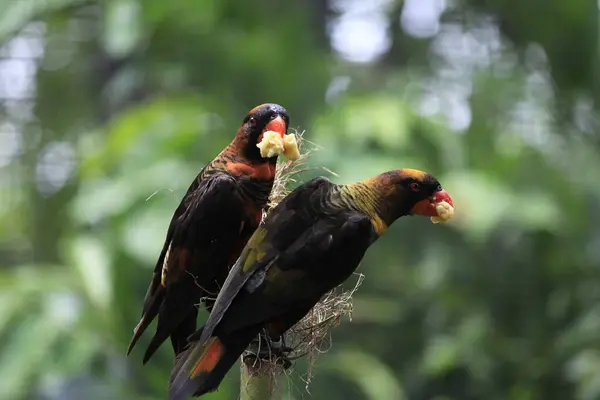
252, 121
415, 187
439, 188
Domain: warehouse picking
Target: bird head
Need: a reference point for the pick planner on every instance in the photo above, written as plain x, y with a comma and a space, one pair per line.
424, 192
413, 192
263, 132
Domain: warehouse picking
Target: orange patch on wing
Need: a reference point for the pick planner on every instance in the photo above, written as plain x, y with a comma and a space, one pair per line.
210, 357
178, 257
258, 216
252, 210
182, 259
258, 171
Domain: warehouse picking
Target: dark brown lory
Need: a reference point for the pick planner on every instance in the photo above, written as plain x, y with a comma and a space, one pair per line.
310, 243
209, 229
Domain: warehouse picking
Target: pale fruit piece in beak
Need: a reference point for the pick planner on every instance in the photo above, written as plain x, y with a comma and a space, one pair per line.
271, 144
445, 212
290, 146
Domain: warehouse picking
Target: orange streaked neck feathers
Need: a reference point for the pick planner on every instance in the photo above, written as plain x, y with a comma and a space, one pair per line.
260, 170
264, 171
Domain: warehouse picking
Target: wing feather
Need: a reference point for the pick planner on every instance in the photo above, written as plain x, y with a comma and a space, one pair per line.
289, 217
187, 227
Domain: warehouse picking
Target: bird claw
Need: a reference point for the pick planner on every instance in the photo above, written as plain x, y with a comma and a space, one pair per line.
278, 345
266, 349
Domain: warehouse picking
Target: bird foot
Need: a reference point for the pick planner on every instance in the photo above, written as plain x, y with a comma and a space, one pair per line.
268, 350
278, 345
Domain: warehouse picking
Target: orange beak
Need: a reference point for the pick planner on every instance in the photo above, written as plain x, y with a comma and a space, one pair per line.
277, 125
427, 207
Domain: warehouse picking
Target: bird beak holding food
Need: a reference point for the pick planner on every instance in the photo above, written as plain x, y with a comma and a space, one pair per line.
273, 141
439, 207
276, 125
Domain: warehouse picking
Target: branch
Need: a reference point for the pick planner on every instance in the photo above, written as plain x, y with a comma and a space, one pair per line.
259, 380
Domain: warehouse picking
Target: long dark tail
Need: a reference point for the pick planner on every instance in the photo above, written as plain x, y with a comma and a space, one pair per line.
177, 315
201, 368
147, 316
179, 332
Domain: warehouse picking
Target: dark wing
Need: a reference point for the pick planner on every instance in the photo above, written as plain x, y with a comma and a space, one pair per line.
288, 223
198, 188
320, 259
306, 246
271, 285
195, 213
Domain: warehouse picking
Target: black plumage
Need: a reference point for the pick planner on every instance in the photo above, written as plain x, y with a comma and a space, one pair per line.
211, 225
310, 243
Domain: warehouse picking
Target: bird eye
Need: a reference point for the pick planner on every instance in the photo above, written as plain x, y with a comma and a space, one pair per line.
439, 188
252, 121
415, 187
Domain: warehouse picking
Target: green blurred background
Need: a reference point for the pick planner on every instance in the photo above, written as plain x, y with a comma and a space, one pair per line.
105, 103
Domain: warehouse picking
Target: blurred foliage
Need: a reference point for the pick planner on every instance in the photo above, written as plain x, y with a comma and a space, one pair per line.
109, 108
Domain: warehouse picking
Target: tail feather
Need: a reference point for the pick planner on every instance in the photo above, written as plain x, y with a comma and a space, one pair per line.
201, 368
187, 327
195, 369
178, 333
158, 338
147, 317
